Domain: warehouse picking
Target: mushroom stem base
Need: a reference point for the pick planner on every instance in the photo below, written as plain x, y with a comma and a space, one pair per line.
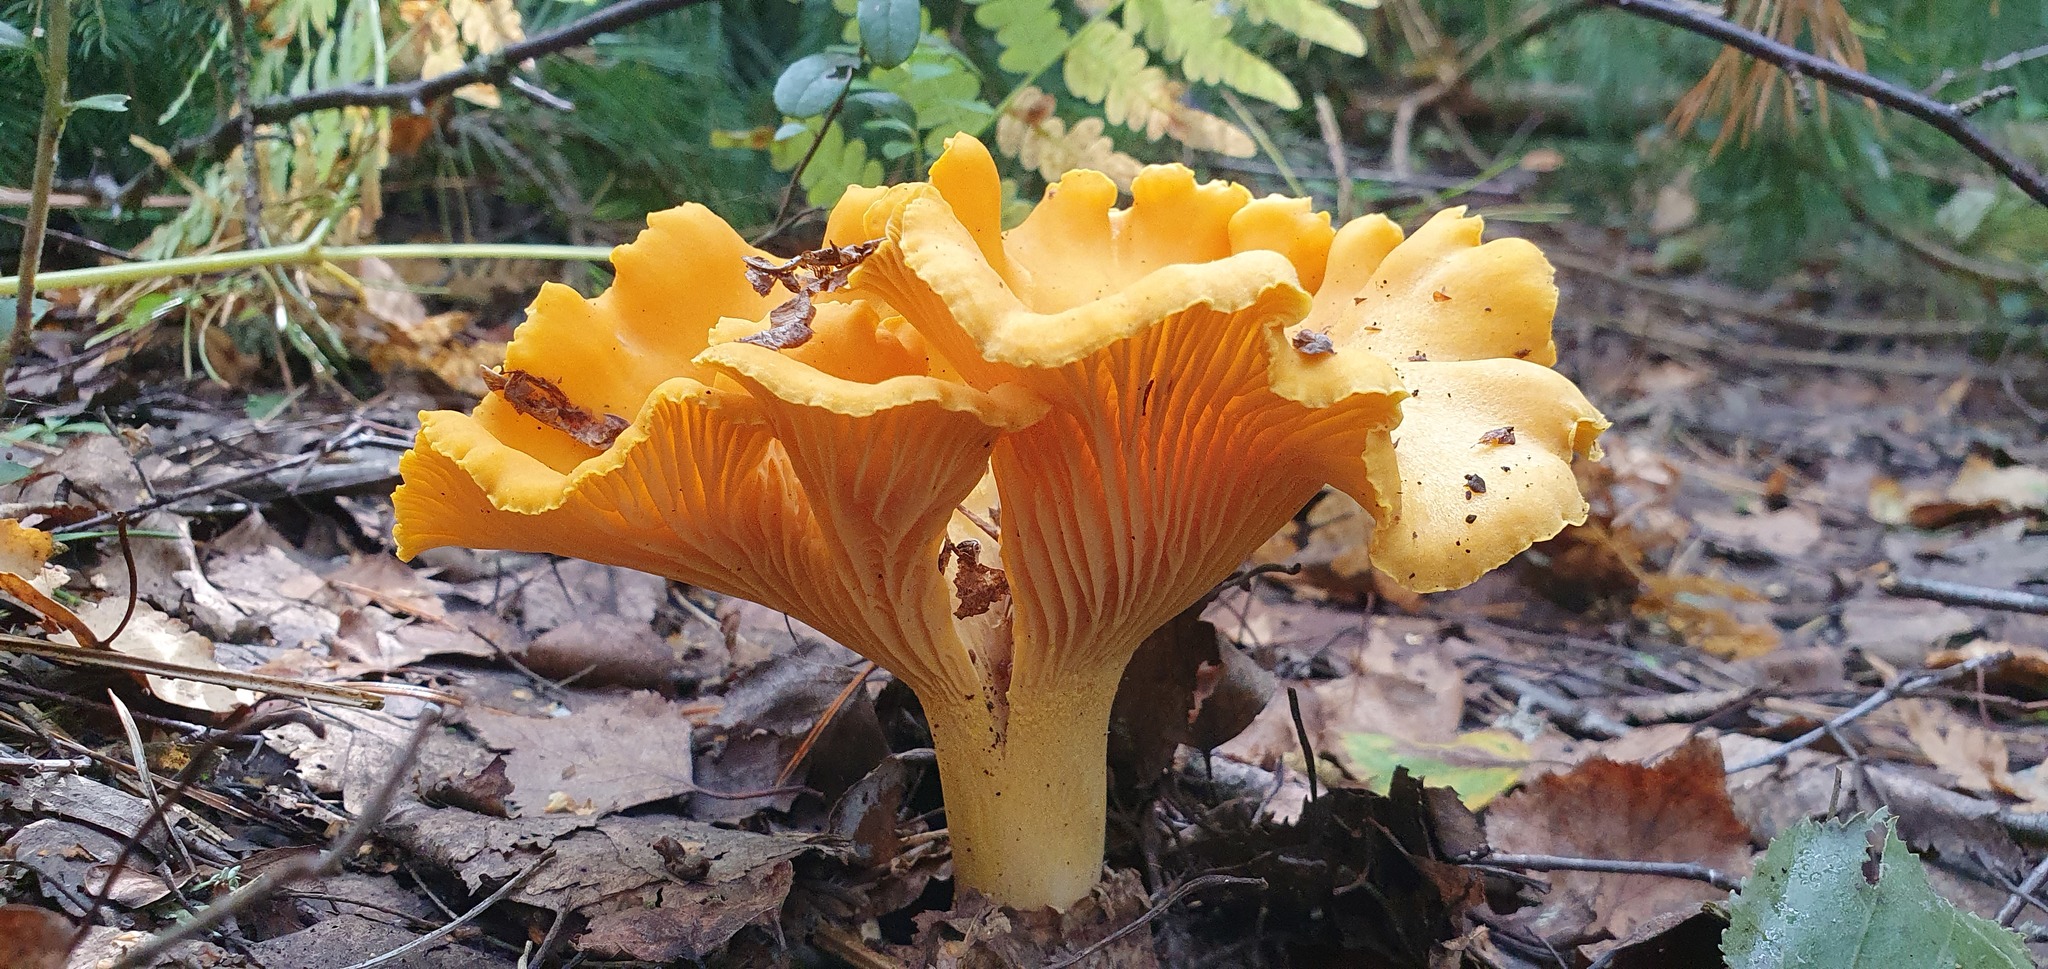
1025, 813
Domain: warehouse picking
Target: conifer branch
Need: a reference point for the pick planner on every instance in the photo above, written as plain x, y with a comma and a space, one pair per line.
1949, 119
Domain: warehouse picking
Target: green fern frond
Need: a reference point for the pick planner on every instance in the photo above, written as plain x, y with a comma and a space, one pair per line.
1195, 34
1107, 66
840, 161
1309, 20
1030, 132
1029, 32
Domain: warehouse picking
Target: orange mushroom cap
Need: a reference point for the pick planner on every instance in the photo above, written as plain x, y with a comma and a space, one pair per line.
1489, 430
1001, 459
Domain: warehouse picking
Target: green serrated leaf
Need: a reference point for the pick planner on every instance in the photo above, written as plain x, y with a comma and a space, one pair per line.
808, 87
1810, 905
889, 30
102, 102
11, 36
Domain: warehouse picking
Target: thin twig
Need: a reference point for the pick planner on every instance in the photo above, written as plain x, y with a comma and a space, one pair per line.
412, 96
1158, 908
824, 720
2015, 59
796, 175
56, 64
1243, 578
134, 579
848, 948
1573, 713
1614, 866
464, 919
1333, 142
367, 696
1962, 594
196, 763
294, 868
1942, 116
346, 439
2018, 902
45, 763
1904, 686
1308, 751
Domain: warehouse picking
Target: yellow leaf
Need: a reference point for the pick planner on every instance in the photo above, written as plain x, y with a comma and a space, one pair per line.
1480, 765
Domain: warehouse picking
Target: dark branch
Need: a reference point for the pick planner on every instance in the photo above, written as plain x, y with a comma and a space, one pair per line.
412, 96
1949, 119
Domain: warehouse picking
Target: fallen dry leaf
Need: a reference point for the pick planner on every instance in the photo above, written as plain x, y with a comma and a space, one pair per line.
610, 754
153, 635
1975, 757
33, 938
387, 582
1787, 533
1901, 631
24, 551
1676, 810
1726, 619
980, 933
2027, 670
2015, 487
612, 871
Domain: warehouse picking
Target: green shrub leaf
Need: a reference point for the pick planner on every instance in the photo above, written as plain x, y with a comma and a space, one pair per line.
1812, 903
889, 30
809, 86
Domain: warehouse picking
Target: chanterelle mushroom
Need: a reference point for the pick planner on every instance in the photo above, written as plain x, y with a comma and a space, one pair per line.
999, 460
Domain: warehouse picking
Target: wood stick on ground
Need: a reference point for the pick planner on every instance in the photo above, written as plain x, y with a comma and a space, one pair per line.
2018, 902
1902, 687
1962, 594
292, 869
1188, 887
464, 919
1613, 866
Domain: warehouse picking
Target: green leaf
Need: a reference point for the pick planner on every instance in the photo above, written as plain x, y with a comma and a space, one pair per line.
808, 87
262, 407
889, 30
102, 102
11, 36
36, 309
1812, 904
13, 471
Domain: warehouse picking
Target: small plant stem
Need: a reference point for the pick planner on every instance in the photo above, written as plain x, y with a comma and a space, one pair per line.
252, 184
300, 254
56, 109
1266, 145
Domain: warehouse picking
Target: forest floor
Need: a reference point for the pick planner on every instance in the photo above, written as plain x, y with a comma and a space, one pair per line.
575, 764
